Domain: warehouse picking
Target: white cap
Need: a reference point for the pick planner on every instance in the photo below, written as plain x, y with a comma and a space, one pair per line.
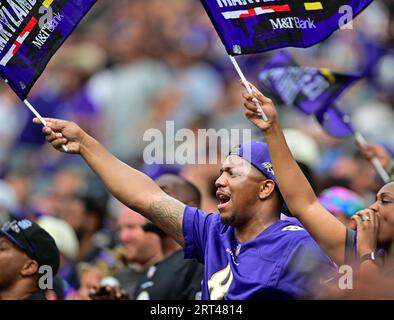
303, 147
110, 282
63, 234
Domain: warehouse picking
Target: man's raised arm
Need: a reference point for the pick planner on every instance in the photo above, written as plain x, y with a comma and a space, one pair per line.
129, 186
328, 232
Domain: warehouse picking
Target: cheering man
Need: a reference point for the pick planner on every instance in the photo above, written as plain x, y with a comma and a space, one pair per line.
247, 251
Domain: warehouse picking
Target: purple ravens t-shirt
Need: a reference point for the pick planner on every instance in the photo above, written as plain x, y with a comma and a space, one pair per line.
283, 262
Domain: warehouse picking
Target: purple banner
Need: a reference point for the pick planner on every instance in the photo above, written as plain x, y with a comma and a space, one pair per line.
31, 32
312, 91
308, 89
335, 122
251, 26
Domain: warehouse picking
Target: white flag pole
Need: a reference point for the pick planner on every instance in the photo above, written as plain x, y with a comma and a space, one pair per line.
375, 161
246, 84
42, 120
35, 112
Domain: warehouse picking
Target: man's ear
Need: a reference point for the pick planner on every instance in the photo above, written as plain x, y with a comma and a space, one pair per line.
267, 187
30, 268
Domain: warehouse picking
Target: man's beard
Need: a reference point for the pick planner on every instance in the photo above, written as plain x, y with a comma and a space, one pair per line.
228, 220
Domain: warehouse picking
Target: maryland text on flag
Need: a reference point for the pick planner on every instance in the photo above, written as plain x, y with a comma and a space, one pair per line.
312, 91
30, 36
251, 26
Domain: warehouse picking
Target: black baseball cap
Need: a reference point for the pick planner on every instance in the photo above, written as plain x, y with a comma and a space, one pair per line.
34, 241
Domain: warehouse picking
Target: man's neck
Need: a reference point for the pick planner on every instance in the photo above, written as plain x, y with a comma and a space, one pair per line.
254, 227
152, 260
169, 246
17, 292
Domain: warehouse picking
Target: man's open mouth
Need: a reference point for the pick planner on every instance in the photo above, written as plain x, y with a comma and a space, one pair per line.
223, 199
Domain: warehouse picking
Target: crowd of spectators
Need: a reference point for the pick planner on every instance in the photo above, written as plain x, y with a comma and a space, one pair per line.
133, 65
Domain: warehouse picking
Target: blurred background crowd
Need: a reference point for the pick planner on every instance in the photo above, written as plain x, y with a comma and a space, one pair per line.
131, 66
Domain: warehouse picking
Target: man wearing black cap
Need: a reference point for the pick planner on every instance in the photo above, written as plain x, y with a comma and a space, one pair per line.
247, 251
27, 253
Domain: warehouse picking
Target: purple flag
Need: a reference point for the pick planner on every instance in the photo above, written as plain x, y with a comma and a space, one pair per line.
251, 26
335, 122
31, 32
312, 91
307, 89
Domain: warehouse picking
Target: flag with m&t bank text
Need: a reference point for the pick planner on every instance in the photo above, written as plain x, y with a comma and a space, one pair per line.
252, 26
31, 31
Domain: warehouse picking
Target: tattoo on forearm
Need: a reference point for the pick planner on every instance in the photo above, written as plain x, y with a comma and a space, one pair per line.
167, 213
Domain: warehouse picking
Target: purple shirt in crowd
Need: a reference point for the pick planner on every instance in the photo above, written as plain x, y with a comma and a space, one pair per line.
283, 262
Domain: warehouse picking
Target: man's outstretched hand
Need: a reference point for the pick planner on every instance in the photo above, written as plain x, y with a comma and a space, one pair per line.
60, 132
